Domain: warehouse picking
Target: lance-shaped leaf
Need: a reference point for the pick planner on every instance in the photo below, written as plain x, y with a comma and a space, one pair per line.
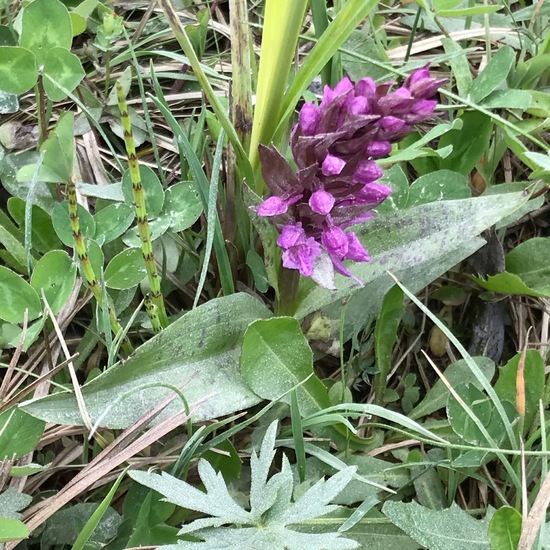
198, 353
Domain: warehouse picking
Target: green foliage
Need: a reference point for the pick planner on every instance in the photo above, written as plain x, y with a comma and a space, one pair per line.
533, 375
272, 514
527, 271
19, 433
446, 529
385, 334
11, 504
275, 358
44, 50
505, 529
230, 354
198, 353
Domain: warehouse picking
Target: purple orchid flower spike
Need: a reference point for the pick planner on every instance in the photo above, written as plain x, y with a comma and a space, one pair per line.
334, 146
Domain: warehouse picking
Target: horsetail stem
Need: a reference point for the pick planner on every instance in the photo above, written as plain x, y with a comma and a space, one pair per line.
152, 312
87, 269
141, 212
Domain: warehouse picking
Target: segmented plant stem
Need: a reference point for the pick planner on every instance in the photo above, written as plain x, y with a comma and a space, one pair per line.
141, 212
152, 312
87, 269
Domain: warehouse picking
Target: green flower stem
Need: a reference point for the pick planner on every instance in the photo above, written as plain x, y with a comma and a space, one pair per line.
289, 281
87, 269
141, 212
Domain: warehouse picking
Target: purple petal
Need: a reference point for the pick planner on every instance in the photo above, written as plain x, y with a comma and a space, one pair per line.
273, 206
366, 87
321, 202
332, 165
359, 105
421, 84
397, 101
309, 119
424, 107
367, 171
378, 149
291, 235
335, 241
356, 251
301, 254
373, 193
391, 124
343, 86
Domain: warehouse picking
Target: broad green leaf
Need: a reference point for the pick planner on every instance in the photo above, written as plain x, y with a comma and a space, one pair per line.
12, 529
158, 227
450, 529
275, 358
12, 502
543, 161
400, 241
198, 353
359, 42
505, 529
17, 295
46, 24
455, 374
78, 23
59, 148
62, 69
482, 407
508, 99
154, 194
533, 373
19, 433
385, 337
494, 74
55, 274
11, 334
469, 143
43, 236
508, 283
12, 163
529, 260
62, 223
112, 221
6, 36
372, 532
182, 205
125, 270
459, 64
438, 186
45, 174
64, 527
111, 192
18, 71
